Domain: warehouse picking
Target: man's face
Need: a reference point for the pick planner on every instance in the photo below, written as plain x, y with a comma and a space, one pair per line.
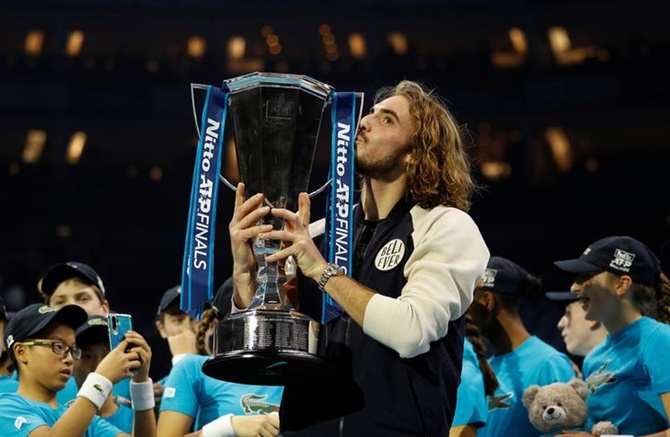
74, 292
576, 331
382, 143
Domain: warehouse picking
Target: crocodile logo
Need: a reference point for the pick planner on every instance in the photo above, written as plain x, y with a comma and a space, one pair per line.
252, 403
600, 377
498, 401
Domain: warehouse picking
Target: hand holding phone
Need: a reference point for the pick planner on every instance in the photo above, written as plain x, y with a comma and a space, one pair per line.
118, 324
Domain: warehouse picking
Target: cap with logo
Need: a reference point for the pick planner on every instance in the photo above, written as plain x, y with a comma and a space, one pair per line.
94, 330
622, 255
32, 319
504, 276
68, 270
170, 296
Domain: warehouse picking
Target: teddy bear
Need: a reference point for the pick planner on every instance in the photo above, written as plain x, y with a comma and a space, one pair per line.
560, 406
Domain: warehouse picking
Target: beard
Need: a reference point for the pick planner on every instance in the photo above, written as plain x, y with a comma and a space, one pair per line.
391, 163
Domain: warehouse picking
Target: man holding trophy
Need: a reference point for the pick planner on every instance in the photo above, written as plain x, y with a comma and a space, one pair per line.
417, 256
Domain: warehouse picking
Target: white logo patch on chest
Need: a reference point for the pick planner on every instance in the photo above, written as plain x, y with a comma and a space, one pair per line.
390, 255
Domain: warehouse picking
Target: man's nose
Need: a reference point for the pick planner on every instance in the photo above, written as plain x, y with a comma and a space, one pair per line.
365, 125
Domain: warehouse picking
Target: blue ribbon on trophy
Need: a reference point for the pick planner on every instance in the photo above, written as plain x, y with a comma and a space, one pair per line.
198, 263
339, 217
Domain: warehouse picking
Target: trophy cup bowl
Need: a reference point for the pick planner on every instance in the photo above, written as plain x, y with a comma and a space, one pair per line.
276, 120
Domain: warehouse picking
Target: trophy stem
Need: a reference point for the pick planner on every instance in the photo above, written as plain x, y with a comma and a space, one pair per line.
270, 278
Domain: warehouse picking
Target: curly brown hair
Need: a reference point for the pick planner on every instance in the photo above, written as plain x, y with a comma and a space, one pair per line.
654, 300
439, 173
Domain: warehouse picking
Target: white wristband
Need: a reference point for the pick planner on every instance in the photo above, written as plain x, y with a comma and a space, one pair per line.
96, 388
221, 427
142, 395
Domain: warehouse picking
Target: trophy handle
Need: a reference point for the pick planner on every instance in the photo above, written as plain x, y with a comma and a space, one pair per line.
201, 87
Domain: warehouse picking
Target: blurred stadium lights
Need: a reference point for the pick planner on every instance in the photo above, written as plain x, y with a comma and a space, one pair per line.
32, 150
75, 147
34, 42
75, 41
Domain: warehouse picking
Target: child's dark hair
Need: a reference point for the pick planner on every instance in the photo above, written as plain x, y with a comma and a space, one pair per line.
472, 333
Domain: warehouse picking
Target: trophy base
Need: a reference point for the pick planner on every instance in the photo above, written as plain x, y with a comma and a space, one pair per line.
265, 346
266, 367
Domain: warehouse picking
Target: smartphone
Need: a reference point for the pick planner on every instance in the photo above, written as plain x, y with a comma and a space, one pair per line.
118, 325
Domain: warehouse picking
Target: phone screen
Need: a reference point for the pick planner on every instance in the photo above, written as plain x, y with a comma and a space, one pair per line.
118, 324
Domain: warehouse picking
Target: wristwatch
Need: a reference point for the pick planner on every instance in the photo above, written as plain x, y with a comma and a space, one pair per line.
330, 270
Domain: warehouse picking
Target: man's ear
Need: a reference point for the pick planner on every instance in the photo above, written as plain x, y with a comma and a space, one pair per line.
161, 329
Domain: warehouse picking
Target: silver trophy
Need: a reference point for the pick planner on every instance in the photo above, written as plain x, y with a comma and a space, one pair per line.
276, 121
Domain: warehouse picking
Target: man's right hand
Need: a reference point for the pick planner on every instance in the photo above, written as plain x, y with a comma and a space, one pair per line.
243, 228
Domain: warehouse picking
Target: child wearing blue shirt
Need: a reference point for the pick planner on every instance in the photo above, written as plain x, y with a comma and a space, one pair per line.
41, 344
620, 284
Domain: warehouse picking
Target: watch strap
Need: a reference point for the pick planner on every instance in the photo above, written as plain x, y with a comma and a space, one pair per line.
330, 271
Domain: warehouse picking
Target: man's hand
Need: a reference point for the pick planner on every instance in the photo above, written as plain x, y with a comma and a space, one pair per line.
297, 241
243, 228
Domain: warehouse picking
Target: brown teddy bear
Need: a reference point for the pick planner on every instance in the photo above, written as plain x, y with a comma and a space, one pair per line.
560, 406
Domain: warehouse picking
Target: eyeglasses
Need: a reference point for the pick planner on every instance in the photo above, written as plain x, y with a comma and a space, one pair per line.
57, 347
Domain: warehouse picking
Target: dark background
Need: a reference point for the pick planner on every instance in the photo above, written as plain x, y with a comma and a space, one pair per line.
122, 208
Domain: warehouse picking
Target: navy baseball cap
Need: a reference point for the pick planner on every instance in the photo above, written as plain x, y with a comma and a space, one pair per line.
94, 330
32, 319
68, 270
563, 296
621, 255
169, 297
504, 276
